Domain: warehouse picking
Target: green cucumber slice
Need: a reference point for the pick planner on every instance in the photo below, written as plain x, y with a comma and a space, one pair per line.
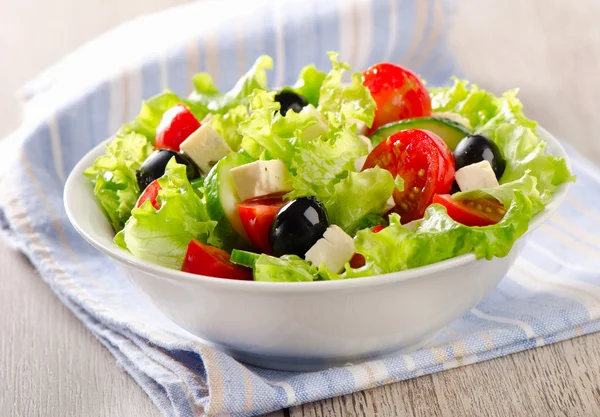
242, 257
222, 201
451, 131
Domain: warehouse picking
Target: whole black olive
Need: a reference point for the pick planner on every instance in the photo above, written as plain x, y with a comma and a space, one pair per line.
297, 226
290, 101
477, 148
154, 167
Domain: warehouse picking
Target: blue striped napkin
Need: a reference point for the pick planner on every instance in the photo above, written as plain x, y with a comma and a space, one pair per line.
552, 293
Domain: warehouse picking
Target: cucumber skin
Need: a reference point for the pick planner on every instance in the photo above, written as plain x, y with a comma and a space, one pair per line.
244, 258
458, 131
229, 236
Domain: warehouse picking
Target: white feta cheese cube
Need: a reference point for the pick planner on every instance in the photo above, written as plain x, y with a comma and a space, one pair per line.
390, 204
476, 176
317, 129
334, 249
359, 163
205, 147
261, 178
361, 127
412, 226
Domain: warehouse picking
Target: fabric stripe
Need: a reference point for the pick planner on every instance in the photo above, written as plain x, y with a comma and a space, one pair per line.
419, 29
56, 149
513, 322
393, 32
279, 45
193, 62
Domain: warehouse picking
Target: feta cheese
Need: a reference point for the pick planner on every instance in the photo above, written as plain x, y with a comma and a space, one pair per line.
359, 163
390, 204
361, 127
205, 147
261, 178
334, 249
476, 176
412, 225
317, 129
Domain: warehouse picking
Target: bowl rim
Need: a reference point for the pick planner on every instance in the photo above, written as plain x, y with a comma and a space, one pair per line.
76, 177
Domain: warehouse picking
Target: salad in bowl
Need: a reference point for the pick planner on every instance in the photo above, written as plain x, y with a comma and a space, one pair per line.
326, 179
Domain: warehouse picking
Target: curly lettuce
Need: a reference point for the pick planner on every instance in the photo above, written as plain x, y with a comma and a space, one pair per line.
162, 236
341, 102
113, 176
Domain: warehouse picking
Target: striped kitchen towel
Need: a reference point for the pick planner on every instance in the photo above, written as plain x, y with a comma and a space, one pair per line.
552, 293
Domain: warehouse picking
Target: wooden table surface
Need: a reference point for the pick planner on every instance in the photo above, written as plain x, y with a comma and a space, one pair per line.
50, 364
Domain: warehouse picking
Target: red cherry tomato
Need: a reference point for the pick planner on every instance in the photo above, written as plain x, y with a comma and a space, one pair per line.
480, 212
424, 162
257, 216
398, 92
206, 260
358, 261
150, 193
175, 126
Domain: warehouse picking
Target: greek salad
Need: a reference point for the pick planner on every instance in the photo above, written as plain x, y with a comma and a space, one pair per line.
325, 179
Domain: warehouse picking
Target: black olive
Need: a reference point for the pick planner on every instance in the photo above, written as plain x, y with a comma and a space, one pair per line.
477, 148
154, 167
297, 226
290, 101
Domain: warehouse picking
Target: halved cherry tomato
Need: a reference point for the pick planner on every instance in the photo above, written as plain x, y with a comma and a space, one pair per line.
480, 212
150, 193
257, 216
398, 93
206, 260
424, 162
357, 260
175, 126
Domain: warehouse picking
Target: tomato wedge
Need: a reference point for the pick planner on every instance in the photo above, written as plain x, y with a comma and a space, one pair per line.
257, 216
150, 193
175, 126
398, 93
207, 260
424, 162
480, 212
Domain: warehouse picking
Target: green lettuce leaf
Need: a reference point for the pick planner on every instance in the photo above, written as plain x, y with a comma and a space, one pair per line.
267, 134
358, 199
309, 84
438, 238
288, 268
319, 164
339, 101
113, 176
527, 184
162, 236
208, 98
227, 124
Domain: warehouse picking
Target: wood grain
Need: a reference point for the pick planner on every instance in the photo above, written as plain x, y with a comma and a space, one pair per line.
51, 365
556, 380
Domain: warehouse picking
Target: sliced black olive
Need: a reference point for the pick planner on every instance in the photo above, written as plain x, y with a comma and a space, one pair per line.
290, 101
477, 148
297, 226
154, 166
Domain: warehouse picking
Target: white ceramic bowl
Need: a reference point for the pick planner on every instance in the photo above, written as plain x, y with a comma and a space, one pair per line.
305, 326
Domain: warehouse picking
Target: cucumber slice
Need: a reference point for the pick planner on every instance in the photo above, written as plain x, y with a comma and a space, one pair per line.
222, 201
451, 131
242, 257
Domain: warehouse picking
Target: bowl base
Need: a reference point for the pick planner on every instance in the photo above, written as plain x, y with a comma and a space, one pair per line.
300, 364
